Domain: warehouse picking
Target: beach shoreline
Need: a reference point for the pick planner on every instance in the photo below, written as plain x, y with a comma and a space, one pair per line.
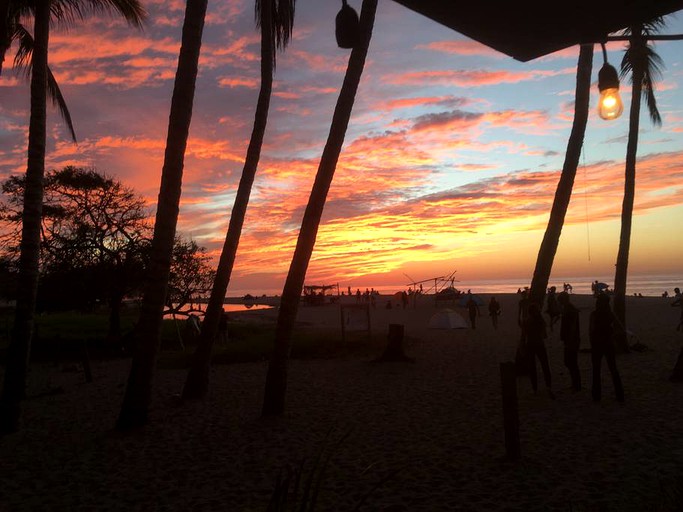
432, 428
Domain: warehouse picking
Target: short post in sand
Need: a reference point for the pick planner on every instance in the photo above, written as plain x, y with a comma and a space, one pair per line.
508, 380
394, 350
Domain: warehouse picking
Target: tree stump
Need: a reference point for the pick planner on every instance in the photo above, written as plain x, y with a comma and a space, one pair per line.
394, 350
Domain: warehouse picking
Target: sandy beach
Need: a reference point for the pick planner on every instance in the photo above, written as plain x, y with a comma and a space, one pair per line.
429, 431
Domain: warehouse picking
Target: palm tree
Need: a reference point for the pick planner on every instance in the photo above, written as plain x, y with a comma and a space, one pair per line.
14, 384
644, 66
551, 239
276, 19
16, 31
134, 410
276, 379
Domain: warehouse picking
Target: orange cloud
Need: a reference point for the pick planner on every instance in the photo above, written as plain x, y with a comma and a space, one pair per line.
472, 78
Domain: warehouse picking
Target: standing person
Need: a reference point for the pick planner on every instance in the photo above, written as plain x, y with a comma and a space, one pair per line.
553, 307
600, 334
534, 335
678, 301
494, 311
473, 310
570, 334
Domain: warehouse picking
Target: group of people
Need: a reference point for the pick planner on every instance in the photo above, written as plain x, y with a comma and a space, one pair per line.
602, 327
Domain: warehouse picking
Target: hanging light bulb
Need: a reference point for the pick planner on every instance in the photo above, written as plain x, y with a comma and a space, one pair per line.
609, 105
346, 28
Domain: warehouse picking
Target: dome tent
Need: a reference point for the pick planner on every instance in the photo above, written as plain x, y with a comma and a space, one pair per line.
447, 319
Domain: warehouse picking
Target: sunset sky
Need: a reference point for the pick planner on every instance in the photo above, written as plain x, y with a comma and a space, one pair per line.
450, 162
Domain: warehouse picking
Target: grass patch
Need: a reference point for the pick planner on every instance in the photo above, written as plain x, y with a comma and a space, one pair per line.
61, 335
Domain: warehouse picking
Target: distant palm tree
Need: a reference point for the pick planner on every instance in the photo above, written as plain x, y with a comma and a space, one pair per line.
20, 344
134, 410
276, 19
644, 66
276, 379
551, 239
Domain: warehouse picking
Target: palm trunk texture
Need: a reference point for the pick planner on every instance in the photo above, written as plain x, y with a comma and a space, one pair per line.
551, 239
134, 410
621, 273
197, 382
18, 353
276, 378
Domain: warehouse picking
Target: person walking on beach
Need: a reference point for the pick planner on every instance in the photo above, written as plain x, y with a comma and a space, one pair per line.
600, 334
494, 311
473, 311
534, 335
553, 307
570, 334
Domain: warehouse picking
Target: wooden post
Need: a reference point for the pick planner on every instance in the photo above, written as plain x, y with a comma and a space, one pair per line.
394, 350
508, 380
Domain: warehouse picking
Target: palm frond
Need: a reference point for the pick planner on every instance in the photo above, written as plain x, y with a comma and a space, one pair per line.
22, 59
23, 63
282, 13
642, 63
68, 12
59, 102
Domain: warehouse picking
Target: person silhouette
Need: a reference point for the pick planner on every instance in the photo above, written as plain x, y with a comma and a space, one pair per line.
534, 334
553, 307
600, 334
570, 334
678, 301
494, 311
473, 311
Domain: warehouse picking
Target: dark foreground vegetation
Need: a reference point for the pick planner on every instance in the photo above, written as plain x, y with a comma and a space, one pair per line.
62, 337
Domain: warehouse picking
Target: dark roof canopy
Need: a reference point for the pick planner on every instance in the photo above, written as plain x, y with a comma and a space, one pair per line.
527, 29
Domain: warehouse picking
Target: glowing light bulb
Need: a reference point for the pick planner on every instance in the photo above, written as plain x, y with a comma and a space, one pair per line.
610, 105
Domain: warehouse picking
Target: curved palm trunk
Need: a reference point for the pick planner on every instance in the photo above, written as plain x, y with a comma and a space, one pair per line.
627, 205
20, 345
276, 379
134, 409
551, 239
197, 382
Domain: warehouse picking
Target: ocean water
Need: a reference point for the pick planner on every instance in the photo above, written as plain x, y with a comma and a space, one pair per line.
647, 285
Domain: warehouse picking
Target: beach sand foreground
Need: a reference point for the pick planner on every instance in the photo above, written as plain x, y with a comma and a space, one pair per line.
434, 427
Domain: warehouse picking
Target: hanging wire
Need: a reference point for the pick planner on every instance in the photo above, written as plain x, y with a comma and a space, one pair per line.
585, 200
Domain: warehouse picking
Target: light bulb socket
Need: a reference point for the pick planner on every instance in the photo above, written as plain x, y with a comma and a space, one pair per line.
608, 77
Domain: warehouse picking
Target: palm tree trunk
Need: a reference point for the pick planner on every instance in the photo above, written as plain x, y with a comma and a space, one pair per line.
276, 379
197, 382
551, 239
136, 401
20, 345
621, 273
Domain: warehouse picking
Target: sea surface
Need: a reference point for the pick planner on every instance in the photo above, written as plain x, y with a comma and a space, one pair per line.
647, 285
